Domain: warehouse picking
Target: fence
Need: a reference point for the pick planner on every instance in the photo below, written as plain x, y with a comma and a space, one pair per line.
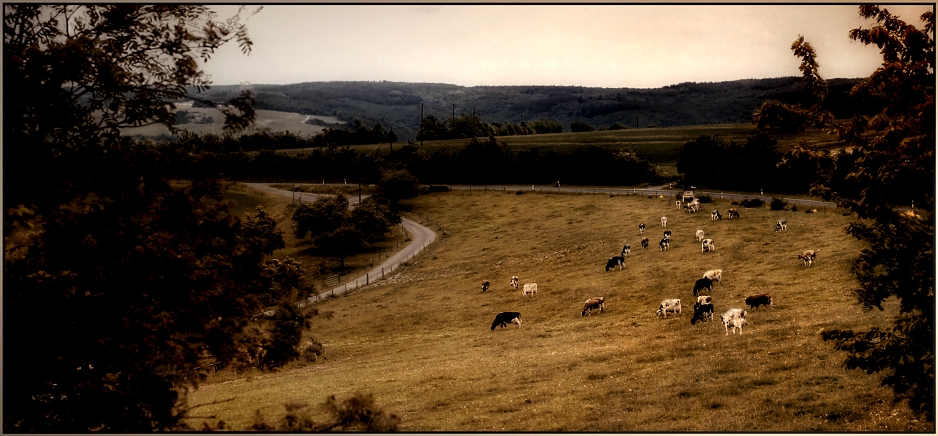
380, 271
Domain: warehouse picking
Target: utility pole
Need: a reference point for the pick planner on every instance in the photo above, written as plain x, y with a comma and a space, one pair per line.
421, 123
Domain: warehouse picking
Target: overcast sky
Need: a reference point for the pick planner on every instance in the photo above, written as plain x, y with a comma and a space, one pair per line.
611, 46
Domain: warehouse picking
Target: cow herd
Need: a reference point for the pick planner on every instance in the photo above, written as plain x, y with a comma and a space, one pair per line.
732, 319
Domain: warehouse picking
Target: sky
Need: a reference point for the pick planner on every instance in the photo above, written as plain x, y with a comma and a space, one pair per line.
611, 46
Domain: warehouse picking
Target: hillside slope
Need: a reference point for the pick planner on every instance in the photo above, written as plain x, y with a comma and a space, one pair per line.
397, 105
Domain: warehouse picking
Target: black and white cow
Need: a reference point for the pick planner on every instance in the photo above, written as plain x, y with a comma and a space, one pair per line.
664, 244
702, 312
514, 282
626, 249
615, 261
702, 284
670, 305
732, 213
780, 225
593, 303
505, 318
485, 286
707, 245
641, 229
667, 234
715, 215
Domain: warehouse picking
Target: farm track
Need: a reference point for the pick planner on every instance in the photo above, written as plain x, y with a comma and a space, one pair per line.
421, 238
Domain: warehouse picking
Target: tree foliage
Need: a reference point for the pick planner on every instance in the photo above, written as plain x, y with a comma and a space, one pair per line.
892, 164
117, 282
340, 231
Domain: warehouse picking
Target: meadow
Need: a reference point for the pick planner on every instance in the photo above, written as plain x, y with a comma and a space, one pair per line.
420, 342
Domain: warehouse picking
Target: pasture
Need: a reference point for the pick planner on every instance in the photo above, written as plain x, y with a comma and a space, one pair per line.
421, 342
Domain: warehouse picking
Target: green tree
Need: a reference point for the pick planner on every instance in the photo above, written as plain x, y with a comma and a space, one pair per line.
262, 227
893, 164
125, 279
397, 185
581, 126
322, 216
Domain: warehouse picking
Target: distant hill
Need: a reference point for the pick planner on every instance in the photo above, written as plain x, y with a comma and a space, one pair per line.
397, 105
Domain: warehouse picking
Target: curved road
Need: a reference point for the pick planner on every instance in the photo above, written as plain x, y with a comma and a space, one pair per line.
421, 238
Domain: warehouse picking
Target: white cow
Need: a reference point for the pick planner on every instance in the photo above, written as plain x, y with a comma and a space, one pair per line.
672, 305
664, 221
699, 235
529, 288
735, 318
808, 256
714, 274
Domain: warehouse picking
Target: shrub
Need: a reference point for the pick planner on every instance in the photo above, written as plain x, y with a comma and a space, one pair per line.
519, 192
777, 204
313, 350
752, 202
434, 188
705, 199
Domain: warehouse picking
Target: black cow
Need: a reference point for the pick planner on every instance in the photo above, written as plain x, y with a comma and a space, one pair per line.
615, 261
702, 284
702, 312
505, 318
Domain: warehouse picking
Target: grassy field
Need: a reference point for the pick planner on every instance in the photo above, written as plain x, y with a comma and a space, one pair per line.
421, 343
274, 120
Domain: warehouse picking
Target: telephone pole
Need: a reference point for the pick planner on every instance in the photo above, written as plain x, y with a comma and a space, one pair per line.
421, 123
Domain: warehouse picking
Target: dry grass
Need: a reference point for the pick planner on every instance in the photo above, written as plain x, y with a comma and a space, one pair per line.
421, 343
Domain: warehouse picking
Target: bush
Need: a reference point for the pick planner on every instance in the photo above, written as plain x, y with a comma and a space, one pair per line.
752, 202
705, 199
434, 188
777, 204
313, 350
519, 192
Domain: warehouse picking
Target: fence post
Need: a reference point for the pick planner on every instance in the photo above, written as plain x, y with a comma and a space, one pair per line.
382, 272
367, 279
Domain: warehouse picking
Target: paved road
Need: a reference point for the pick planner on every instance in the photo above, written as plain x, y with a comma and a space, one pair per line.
663, 190
421, 238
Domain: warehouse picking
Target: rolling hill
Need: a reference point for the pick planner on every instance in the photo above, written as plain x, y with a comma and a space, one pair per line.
398, 105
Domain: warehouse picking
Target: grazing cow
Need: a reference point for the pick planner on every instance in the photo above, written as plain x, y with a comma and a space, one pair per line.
514, 282
672, 305
645, 243
529, 288
641, 229
781, 225
707, 245
702, 284
678, 204
593, 303
704, 299
702, 311
754, 301
664, 221
615, 261
699, 235
808, 256
732, 213
485, 286
667, 235
715, 215
715, 275
505, 318
664, 244
735, 318
692, 207
626, 250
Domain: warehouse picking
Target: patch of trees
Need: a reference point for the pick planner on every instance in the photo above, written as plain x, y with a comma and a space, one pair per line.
471, 126
338, 230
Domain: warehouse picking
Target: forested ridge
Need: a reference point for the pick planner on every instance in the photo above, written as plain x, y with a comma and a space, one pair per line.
397, 105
